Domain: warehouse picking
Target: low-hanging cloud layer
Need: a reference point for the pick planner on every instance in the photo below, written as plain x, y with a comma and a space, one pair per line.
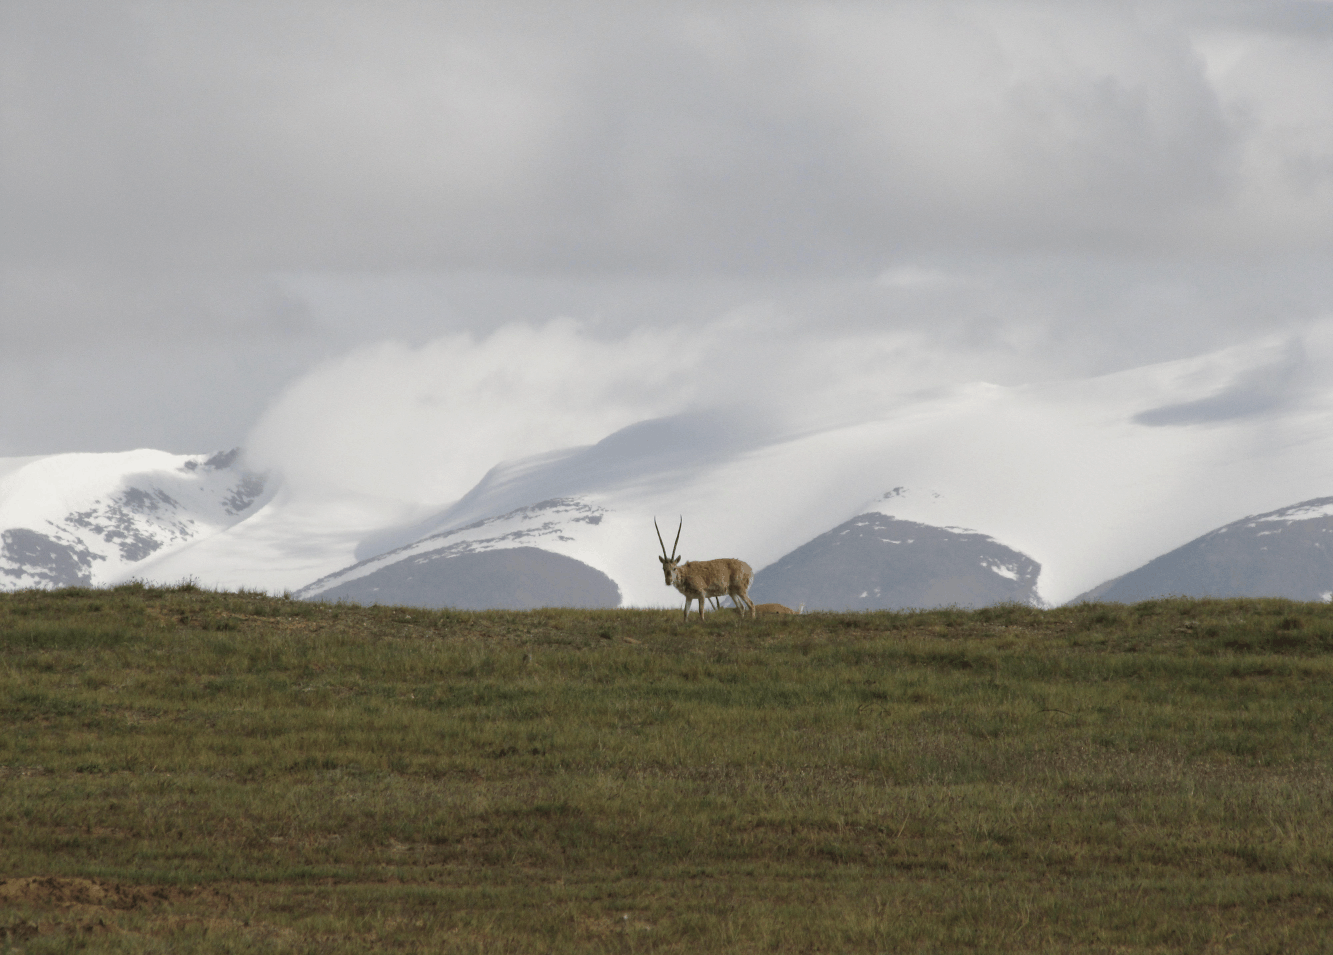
422, 426
425, 424
484, 230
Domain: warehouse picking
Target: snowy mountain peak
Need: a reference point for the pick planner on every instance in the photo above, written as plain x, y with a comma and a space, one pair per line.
910, 504
83, 519
1304, 511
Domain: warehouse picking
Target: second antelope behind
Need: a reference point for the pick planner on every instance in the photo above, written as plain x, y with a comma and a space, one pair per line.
700, 579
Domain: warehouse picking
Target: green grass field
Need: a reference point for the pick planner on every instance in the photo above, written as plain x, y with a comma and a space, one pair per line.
182, 770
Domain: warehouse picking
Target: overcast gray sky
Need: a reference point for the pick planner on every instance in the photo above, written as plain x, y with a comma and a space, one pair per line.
203, 202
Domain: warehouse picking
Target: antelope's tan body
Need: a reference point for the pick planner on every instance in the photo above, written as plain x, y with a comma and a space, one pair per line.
701, 579
724, 577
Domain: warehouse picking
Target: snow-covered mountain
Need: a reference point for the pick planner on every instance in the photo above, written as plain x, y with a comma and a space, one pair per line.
514, 562
1060, 484
84, 519
1283, 553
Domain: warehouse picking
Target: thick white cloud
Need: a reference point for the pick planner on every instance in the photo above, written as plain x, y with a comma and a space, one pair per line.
1101, 184
424, 424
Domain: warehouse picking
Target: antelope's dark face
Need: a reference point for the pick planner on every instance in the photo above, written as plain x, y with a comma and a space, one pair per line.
669, 565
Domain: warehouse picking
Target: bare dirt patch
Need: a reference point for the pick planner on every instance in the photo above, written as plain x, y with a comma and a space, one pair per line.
44, 891
58, 893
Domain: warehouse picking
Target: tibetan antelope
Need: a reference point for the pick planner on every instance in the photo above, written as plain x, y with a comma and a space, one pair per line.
701, 579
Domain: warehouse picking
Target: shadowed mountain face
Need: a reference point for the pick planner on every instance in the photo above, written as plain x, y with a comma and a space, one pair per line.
517, 578
875, 562
1283, 553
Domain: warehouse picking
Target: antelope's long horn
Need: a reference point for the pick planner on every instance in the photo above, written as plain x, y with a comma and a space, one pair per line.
659, 537
678, 530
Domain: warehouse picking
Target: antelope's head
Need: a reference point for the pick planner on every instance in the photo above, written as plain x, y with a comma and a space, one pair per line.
669, 564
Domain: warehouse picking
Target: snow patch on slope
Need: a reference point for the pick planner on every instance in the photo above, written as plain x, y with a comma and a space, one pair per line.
1007, 571
1305, 511
911, 504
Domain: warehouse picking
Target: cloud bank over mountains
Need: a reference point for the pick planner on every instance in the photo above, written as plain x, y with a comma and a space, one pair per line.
1038, 491
1066, 474
425, 425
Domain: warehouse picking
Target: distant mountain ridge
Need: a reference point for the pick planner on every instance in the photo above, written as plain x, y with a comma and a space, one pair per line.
1065, 484
95, 519
1287, 552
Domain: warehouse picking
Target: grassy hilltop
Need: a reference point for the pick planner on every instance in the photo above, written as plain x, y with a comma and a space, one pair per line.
182, 770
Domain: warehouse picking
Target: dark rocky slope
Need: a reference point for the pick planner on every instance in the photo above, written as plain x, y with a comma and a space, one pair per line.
1283, 553
876, 562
